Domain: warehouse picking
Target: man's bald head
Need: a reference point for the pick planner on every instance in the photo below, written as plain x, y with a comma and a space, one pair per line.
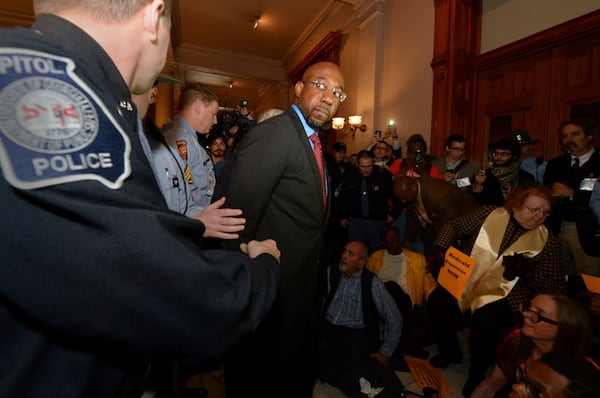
405, 189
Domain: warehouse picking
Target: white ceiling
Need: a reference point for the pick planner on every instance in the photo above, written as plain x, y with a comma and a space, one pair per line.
215, 43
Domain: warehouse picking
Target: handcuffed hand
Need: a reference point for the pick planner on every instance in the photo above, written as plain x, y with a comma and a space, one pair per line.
436, 260
516, 265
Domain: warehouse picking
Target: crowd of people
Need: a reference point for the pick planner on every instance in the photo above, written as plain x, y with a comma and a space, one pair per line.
253, 246
527, 233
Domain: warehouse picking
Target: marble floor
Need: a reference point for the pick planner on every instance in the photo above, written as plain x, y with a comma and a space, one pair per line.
455, 376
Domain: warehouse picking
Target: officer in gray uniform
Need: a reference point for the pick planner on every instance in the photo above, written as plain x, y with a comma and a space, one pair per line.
198, 109
169, 168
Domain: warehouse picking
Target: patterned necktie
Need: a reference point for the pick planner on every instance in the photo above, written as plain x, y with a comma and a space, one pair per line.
314, 138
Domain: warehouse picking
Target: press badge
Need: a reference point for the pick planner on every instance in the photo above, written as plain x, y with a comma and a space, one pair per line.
53, 127
463, 182
587, 184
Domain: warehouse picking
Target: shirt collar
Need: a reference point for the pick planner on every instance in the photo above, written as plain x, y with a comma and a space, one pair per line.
307, 129
184, 123
583, 158
355, 276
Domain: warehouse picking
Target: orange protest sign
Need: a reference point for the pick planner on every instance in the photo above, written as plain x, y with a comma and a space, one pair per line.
427, 376
592, 283
456, 272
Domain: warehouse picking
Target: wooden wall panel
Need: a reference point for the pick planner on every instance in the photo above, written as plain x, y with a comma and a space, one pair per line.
535, 82
575, 81
516, 91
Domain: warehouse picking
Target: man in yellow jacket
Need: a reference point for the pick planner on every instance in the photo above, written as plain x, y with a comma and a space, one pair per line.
406, 278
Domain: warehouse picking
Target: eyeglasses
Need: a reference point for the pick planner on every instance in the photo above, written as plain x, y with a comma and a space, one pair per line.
458, 149
501, 154
535, 316
530, 389
337, 93
538, 210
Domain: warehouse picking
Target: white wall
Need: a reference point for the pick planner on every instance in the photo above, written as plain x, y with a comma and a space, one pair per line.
407, 76
505, 21
400, 87
385, 58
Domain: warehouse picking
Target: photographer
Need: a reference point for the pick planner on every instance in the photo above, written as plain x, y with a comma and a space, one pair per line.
417, 161
234, 124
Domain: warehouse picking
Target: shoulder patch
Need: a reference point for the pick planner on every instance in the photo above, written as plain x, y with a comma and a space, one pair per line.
53, 128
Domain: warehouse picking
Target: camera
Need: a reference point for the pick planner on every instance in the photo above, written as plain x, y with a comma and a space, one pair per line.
231, 118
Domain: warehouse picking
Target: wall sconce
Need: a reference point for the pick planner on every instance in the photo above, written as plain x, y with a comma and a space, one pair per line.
354, 122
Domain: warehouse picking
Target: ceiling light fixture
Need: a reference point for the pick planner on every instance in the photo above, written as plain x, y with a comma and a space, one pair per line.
256, 23
231, 83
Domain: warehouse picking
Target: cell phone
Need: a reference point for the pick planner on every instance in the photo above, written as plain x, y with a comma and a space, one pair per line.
419, 156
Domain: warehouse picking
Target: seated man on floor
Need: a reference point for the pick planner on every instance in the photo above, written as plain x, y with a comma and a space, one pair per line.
406, 278
351, 355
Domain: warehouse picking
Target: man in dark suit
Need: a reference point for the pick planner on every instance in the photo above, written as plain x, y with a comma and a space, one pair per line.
278, 182
365, 201
571, 177
430, 202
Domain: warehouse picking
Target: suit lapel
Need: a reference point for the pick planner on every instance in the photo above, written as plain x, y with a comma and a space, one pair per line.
312, 161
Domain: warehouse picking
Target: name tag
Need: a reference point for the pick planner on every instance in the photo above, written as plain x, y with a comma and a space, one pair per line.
587, 184
463, 182
53, 127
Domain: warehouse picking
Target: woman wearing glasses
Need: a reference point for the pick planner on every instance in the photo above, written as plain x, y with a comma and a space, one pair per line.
551, 323
516, 257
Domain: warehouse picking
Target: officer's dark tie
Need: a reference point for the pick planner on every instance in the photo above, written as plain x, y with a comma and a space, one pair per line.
575, 164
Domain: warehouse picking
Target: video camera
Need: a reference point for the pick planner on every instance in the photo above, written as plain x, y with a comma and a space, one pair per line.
231, 118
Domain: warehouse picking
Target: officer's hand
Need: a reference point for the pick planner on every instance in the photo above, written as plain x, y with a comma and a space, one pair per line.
221, 223
381, 358
255, 248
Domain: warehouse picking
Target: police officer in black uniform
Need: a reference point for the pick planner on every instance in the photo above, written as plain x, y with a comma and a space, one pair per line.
98, 277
